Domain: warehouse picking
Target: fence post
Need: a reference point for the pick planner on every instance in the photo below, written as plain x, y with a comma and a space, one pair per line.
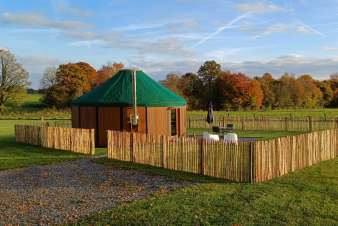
189, 120
251, 162
164, 147
132, 146
223, 121
286, 124
310, 123
202, 157
92, 141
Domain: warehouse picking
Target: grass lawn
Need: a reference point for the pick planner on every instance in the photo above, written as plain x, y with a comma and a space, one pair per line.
14, 155
305, 197
259, 135
316, 113
30, 107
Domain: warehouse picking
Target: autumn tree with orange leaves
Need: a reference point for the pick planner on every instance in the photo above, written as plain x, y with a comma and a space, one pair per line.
71, 81
107, 71
232, 91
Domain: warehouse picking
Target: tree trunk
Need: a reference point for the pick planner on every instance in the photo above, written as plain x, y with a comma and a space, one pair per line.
2, 107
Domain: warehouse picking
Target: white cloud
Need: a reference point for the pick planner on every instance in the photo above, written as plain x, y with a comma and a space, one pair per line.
259, 31
258, 7
169, 47
222, 55
274, 28
35, 20
330, 49
320, 68
86, 43
72, 10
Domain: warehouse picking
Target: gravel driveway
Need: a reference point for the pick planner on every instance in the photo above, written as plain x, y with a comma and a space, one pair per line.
59, 193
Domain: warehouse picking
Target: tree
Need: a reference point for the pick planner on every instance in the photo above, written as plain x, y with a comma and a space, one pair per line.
192, 89
13, 78
232, 90
334, 101
312, 94
107, 71
327, 92
289, 92
208, 73
267, 84
90, 75
72, 80
49, 78
172, 82
256, 94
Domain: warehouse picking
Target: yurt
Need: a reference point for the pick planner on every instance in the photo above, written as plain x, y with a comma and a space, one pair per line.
130, 101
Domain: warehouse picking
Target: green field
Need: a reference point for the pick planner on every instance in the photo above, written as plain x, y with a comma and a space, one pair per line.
259, 135
316, 113
305, 197
31, 108
14, 155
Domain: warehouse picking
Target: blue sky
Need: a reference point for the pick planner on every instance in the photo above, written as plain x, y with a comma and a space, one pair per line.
296, 36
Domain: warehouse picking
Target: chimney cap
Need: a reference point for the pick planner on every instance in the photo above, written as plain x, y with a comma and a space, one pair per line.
131, 69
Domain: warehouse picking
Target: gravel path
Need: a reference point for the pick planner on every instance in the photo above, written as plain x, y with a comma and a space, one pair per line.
59, 193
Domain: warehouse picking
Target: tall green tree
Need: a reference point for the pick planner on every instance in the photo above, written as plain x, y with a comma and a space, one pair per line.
13, 78
208, 72
192, 90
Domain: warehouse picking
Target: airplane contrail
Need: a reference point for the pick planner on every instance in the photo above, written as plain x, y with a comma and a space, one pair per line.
313, 29
228, 25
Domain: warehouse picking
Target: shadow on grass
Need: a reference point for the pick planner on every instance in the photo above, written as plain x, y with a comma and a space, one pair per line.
153, 170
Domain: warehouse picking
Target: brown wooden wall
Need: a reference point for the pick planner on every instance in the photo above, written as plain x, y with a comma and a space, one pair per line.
152, 120
142, 120
88, 117
75, 117
182, 112
108, 119
158, 120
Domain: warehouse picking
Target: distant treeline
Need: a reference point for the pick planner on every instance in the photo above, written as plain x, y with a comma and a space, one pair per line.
228, 90
211, 84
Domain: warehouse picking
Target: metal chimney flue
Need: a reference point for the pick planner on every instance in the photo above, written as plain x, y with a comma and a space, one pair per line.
134, 117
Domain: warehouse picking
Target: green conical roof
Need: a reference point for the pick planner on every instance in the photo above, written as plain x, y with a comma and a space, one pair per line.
117, 91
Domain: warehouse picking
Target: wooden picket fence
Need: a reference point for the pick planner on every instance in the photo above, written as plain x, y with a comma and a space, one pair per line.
265, 123
276, 157
246, 162
68, 139
217, 159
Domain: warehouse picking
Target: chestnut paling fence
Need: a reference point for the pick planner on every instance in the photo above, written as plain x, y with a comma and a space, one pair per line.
246, 162
265, 123
68, 139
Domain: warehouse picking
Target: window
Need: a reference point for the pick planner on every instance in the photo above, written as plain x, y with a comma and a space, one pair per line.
173, 122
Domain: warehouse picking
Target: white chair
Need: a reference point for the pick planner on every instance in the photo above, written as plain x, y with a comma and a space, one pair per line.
210, 137
231, 138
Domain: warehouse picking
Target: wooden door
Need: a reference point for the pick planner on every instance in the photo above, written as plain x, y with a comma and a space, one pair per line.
108, 119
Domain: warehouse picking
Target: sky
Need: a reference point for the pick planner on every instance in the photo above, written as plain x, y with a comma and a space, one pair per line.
161, 37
